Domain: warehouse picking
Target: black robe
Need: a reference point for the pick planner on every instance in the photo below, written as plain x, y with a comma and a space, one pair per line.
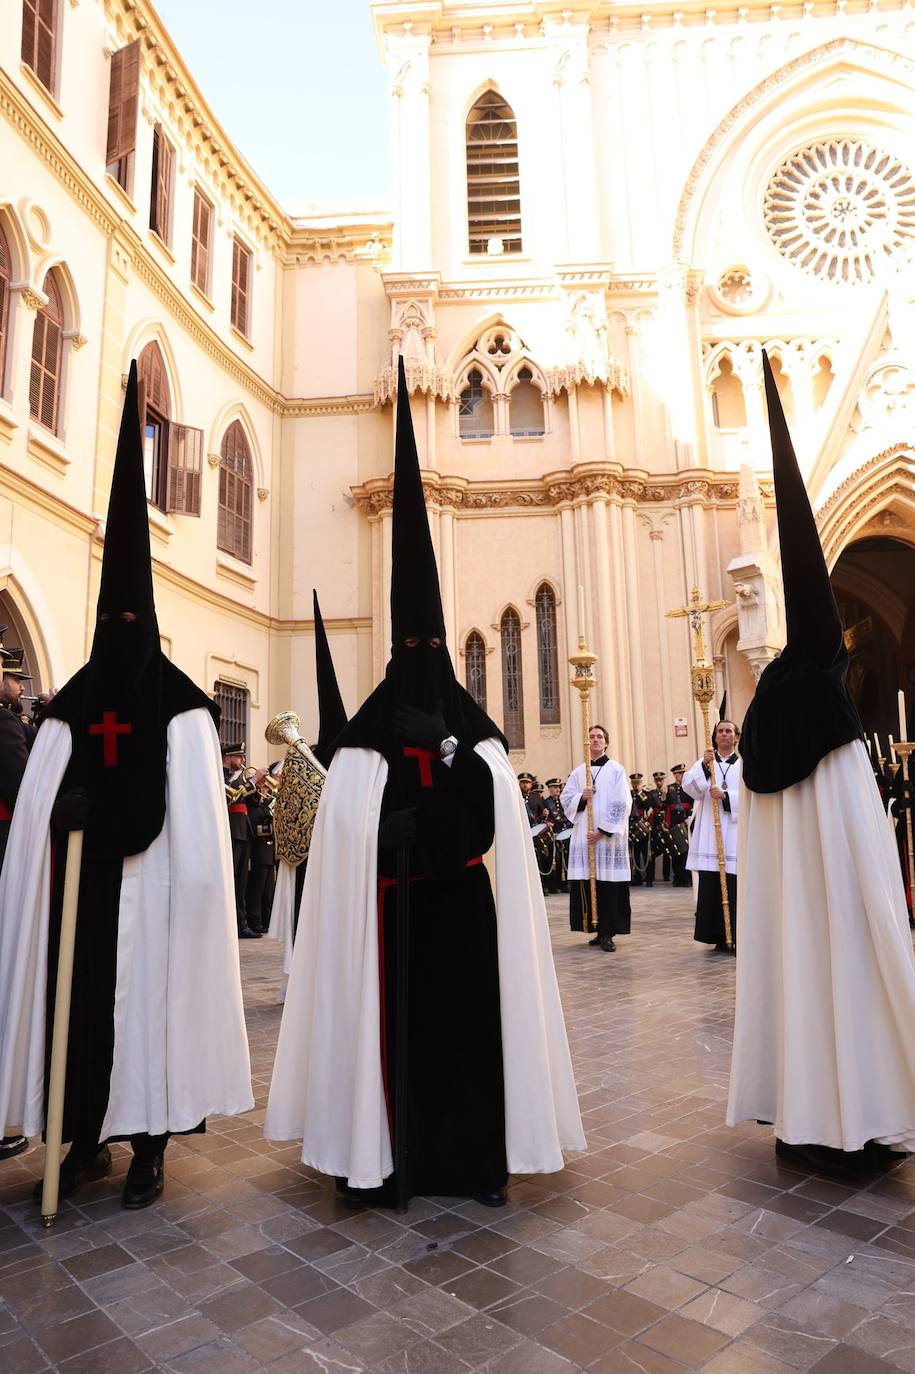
456, 1117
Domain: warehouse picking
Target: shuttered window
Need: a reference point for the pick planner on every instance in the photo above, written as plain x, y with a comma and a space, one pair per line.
200, 242
547, 656
6, 273
493, 184
241, 286
475, 675
123, 104
236, 488
183, 467
172, 453
161, 189
39, 24
234, 703
512, 690
44, 377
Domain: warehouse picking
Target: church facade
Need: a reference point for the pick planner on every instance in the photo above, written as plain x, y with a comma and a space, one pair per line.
601, 214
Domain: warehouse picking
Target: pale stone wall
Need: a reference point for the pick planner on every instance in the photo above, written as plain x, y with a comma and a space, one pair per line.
648, 283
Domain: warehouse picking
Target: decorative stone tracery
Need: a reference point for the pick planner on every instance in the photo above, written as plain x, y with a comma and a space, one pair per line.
842, 210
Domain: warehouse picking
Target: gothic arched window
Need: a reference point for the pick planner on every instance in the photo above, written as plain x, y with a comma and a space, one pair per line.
236, 487
475, 669
525, 407
512, 690
47, 353
729, 410
493, 184
547, 656
475, 413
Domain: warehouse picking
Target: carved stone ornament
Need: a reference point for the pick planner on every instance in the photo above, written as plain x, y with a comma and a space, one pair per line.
30, 295
842, 210
375, 497
213, 460
412, 335
587, 358
887, 398
77, 341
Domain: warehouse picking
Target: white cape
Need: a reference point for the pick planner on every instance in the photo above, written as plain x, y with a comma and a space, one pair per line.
327, 1088
180, 1047
703, 847
610, 810
824, 1036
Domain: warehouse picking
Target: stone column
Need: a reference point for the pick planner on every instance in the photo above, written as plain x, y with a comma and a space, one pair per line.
572, 79
609, 689
661, 608
408, 64
446, 541
620, 633
634, 615
570, 601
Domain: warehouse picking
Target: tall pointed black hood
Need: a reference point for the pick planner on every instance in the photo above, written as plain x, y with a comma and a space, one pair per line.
802, 709
416, 601
331, 711
118, 706
420, 672
723, 706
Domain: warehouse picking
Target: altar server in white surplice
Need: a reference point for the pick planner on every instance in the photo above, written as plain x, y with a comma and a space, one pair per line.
703, 841
128, 753
611, 803
823, 1038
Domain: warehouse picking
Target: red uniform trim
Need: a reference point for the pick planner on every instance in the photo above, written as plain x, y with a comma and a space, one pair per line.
6, 812
238, 809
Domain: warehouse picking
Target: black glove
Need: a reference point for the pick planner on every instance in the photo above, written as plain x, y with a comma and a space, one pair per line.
418, 727
71, 810
397, 829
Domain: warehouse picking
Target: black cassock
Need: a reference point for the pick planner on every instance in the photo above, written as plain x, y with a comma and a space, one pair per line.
456, 1115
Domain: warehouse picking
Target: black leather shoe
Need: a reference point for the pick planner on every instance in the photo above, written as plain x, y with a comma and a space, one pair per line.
595, 941
77, 1170
246, 933
606, 944
145, 1181
496, 1198
12, 1145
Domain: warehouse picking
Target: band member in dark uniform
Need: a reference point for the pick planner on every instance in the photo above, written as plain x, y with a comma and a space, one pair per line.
259, 895
676, 816
558, 821
233, 768
640, 834
657, 801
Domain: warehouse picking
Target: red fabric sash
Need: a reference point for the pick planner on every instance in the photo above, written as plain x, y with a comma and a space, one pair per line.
238, 809
6, 812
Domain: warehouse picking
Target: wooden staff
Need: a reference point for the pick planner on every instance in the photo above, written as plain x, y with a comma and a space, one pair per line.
904, 749
702, 680
584, 681
54, 1120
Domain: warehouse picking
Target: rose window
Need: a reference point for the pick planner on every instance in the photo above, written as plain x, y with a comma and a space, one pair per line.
843, 211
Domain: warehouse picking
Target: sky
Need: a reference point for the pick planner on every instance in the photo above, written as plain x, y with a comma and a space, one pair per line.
299, 88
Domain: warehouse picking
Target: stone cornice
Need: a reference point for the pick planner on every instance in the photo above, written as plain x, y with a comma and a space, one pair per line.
585, 482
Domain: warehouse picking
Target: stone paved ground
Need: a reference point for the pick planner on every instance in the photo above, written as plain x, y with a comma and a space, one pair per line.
673, 1244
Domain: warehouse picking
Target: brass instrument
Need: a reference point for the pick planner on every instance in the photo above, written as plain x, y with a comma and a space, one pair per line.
245, 788
297, 792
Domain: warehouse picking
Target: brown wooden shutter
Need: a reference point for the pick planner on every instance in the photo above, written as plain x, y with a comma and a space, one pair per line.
161, 184
241, 268
29, 28
200, 242
44, 65
123, 102
185, 450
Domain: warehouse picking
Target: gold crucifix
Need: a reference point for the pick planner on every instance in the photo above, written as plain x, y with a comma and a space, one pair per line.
702, 677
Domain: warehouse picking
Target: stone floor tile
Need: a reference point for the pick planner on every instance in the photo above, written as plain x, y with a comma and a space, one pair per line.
77, 1335
478, 1339
845, 1359
635, 1358
526, 1358
528, 1313
878, 1335
117, 1357
579, 1338
706, 1265
789, 1341
690, 1342
219, 1356
723, 1311
523, 1265
742, 1358
822, 1312
431, 1311
572, 1288
625, 1312
266, 1340
331, 1311
666, 1287
22, 1356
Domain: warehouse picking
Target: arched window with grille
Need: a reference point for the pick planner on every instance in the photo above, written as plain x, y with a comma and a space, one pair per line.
493, 183
6, 276
547, 656
475, 667
525, 407
47, 354
236, 487
475, 412
512, 689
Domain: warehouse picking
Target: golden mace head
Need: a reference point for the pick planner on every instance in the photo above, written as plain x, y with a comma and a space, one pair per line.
584, 677
283, 729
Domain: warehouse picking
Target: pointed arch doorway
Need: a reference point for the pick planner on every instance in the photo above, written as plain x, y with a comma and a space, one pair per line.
874, 583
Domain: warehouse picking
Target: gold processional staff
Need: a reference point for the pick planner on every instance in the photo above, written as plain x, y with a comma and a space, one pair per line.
903, 749
702, 677
584, 681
